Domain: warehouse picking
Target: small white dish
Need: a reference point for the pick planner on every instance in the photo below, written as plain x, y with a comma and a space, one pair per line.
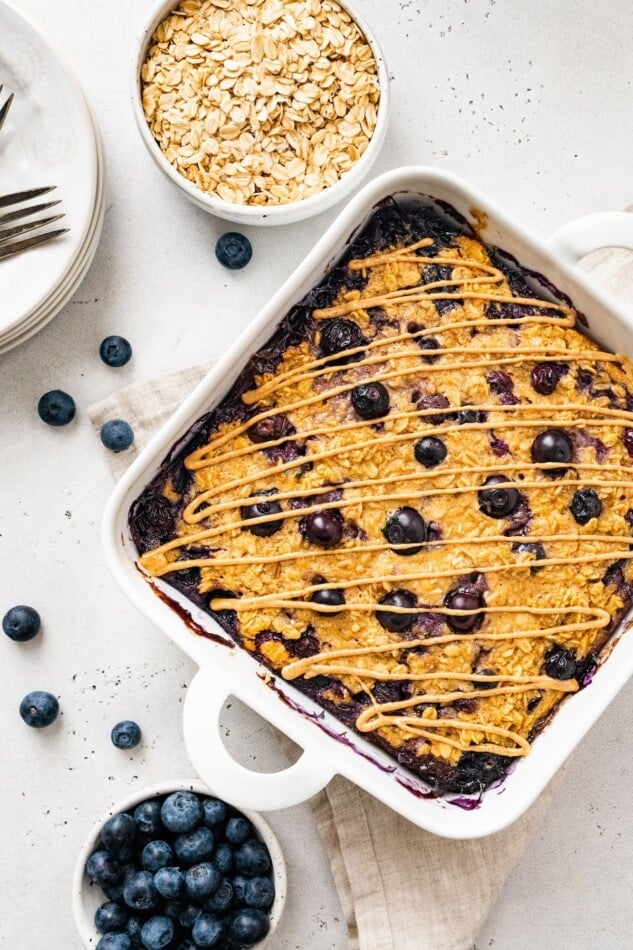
86, 897
272, 214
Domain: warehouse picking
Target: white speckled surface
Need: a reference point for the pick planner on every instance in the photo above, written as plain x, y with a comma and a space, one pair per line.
531, 100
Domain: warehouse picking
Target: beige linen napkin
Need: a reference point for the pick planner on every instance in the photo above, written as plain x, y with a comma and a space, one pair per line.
401, 888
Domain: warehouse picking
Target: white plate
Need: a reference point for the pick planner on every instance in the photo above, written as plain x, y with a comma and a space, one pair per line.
48, 139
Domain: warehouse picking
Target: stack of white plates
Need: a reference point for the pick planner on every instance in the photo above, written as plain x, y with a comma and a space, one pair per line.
48, 139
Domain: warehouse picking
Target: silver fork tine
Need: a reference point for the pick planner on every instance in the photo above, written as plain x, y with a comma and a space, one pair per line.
19, 196
24, 245
4, 111
27, 212
8, 233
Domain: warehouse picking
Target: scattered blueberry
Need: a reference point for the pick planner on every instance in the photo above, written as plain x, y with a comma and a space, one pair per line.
329, 597
115, 351
157, 932
238, 830
21, 623
220, 902
249, 926
404, 525
156, 855
560, 663
181, 811
117, 435
126, 734
103, 868
223, 857
140, 892
147, 817
545, 377
259, 892
194, 846
56, 408
324, 528
170, 882
207, 930
39, 709
340, 335
396, 622
429, 451
260, 509
370, 400
202, 880
233, 250
110, 917
552, 445
458, 599
585, 505
118, 831
496, 501
118, 941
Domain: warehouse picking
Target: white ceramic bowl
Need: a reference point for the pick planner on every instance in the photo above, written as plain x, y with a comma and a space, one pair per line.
86, 898
273, 214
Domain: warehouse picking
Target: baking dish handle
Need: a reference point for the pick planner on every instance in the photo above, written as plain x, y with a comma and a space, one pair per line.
592, 232
260, 791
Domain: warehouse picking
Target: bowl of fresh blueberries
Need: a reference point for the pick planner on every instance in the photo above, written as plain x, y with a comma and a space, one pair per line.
175, 867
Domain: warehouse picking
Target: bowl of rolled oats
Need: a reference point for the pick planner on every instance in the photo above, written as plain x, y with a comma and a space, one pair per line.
261, 111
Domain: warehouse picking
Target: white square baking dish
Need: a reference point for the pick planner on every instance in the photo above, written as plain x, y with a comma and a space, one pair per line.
329, 747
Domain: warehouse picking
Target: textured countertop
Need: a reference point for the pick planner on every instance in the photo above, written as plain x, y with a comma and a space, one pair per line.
530, 100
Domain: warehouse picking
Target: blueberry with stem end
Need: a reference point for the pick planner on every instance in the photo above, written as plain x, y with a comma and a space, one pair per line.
181, 811
39, 709
585, 505
459, 599
238, 829
498, 498
110, 917
118, 832
248, 926
115, 351
117, 435
170, 882
207, 930
126, 734
194, 846
21, 623
157, 933
259, 892
147, 816
140, 892
156, 855
214, 812
103, 868
429, 451
56, 408
233, 250
221, 900
370, 400
202, 880
404, 525
262, 509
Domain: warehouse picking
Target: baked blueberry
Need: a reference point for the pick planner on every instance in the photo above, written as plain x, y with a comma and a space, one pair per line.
627, 439
560, 663
404, 525
220, 902
170, 882
397, 622
156, 855
324, 527
157, 933
370, 400
329, 597
118, 832
139, 891
252, 858
39, 709
238, 829
459, 599
260, 509
147, 817
340, 335
214, 812
194, 846
553, 445
21, 623
110, 917
103, 868
259, 892
233, 250
585, 505
429, 451
117, 435
498, 499
223, 857
468, 416
248, 926
119, 941
56, 408
115, 351
202, 880
126, 734
546, 376
270, 429
428, 343
207, 930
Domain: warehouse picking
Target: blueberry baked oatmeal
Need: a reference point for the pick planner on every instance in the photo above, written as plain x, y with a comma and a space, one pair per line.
416, 502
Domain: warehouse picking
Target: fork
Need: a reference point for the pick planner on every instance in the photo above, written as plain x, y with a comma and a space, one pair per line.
4, 110
8, 244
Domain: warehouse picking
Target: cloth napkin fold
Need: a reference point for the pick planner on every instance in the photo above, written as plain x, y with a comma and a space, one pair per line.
401, 888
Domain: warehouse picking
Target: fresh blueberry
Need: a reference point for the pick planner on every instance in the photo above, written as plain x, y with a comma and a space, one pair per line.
370, 400
117, 435
404, 525
214, 812
147, 817
156, 855
202, 880
259, 892
118, 941
585, 505
458, 599
553, 445
194, 846
324, 528
181, 811
249, 926
103, 868
118, 832
329, 597
545, 377
252, 858
157, 932
261, 509
56, 408
115, 351
396, 622
220, 902
223, 857
233, 250
207, 930
238, 829
133, 930
170, 882
140, 892
239, 883
188, 915
340, 335
172, 908
496, 501
429, 451
110, 917
186, 944
560, 663
39, 709
126, 734
21, 623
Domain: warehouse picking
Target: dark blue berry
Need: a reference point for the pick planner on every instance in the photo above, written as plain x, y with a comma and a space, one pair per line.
560, 663
39, 709
21, 623
404, 525
140, 892
202, 880
117, 435
233, 250
252, 858
126, 734
429, 451
469, 416
194, 846
118, 832
118, 941
214, 812
223, 857
188, 915
259, 892
181, 811
329, 597
627, 439
585, 505
156, 855
133, 930
270, 429
239, 883
553, 445
147, 817
56, 408
396, 622
170, 882
370, 400
340, 335
428, 343
207, 930
249, 926
110, 917
103, 868
115, 351
157, 932
260, 509
238, 829
458, 599
496, 501
545, 377
324, 528
220, 902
